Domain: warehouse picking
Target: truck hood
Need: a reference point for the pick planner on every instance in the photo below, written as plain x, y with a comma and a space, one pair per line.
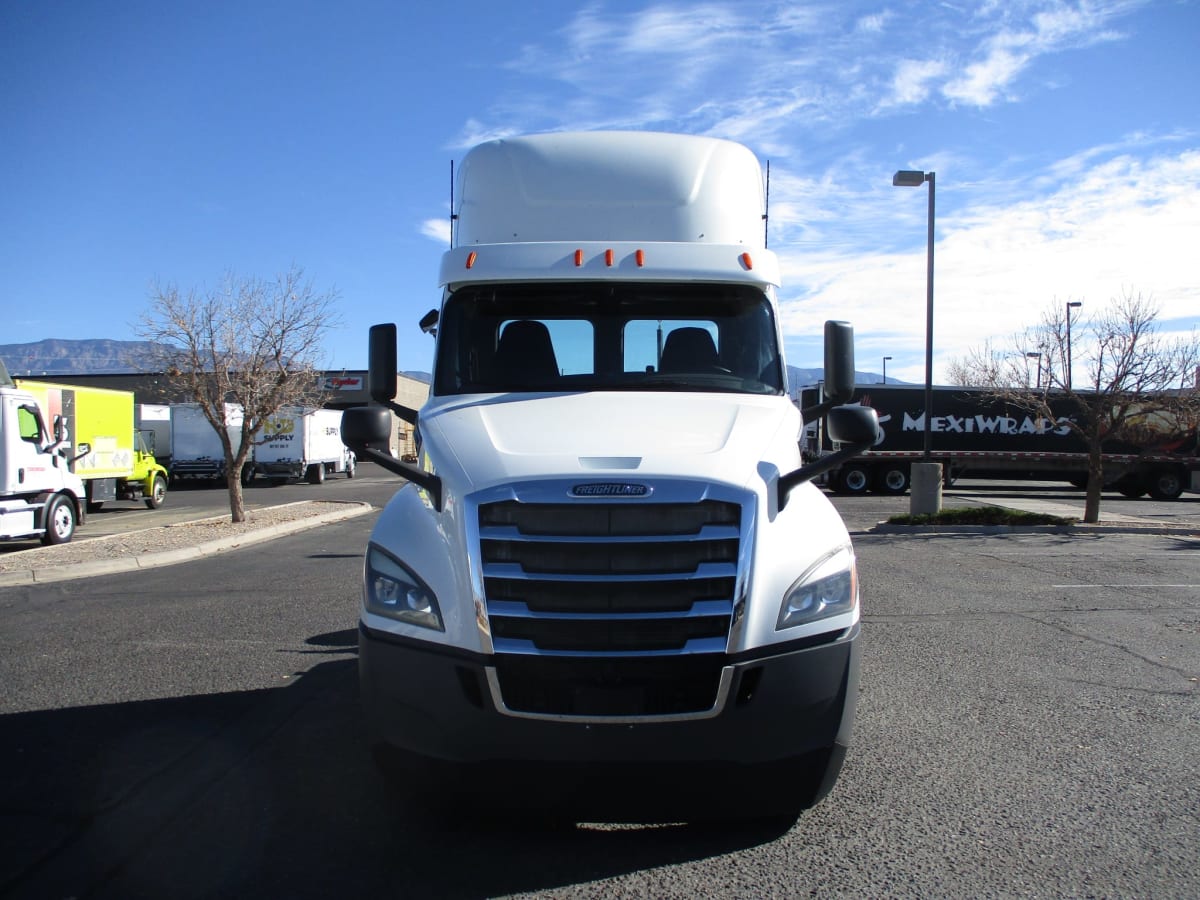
715, 437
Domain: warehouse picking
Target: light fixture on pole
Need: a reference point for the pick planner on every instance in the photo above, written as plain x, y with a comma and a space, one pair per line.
910, 178
1038, 357
885, 359
1071, 304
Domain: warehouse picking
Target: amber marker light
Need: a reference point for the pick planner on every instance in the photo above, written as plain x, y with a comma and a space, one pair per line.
640, 257
578, 257
608, 257
747, 261
471, 260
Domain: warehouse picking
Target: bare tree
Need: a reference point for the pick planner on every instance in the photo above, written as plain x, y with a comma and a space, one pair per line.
250, 342
1135, 386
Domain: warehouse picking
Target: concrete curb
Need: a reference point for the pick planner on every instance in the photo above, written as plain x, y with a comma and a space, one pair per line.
1178, 530
185, 554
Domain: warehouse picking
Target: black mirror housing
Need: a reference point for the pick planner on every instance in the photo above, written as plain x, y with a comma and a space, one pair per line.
852, 425
367, 427
839, 361
381, 363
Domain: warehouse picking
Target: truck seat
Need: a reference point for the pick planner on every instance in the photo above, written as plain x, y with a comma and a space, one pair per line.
688, 350
525, 354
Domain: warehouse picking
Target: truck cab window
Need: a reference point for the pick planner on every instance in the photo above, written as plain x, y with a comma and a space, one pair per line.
29, 424
584, 337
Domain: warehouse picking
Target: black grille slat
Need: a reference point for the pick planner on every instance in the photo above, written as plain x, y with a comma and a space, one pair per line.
615, 635
610, 558
605, 596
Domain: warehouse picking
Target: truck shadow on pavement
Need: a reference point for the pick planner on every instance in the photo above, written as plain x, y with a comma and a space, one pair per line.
272, 792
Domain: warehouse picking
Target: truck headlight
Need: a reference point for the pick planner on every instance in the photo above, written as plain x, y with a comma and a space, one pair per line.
393, 590
827, 588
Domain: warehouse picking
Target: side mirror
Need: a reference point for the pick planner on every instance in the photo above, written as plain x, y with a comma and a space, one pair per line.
81, 450
429, 322
839, 362
381, 363
839, 370
367, 427
852, 425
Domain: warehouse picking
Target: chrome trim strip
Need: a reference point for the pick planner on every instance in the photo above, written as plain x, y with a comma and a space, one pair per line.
515, 609
706, 533
514, 571
693, 647
717, 708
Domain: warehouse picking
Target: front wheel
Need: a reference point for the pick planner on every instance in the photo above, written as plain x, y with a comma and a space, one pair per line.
350, 468
158, 493
60, 521
316, 473
854, 479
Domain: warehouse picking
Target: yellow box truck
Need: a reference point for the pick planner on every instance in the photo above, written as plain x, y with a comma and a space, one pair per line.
120, 463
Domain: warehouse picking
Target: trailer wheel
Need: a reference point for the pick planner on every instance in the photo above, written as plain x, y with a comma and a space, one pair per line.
60, 521
158, 493
1166, 484
316, 473
891, 479
854, 479
350, 464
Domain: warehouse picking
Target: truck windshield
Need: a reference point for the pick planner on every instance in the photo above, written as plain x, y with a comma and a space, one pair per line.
607, 337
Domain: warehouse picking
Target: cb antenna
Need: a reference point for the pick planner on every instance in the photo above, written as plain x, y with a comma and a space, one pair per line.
767, 206
453, 217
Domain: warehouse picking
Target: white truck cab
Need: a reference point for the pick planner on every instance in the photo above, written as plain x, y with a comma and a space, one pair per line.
40, 497
609, 551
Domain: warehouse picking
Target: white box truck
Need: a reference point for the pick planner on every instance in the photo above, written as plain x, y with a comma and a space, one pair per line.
196, 450
610, 553
303, 443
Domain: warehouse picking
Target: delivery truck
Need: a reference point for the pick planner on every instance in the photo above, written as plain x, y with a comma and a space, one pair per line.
610, 555
120, 463
976, 434
196, 449
303, 443
40, 497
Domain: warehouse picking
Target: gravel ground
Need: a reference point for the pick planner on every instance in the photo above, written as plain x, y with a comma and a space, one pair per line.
178, 536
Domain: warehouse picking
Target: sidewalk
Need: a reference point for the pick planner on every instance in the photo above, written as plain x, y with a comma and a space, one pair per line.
168, 544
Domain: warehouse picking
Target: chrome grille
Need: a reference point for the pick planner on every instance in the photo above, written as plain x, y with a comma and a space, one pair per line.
621, 578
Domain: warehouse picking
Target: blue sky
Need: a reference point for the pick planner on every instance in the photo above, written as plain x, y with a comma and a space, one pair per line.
174, 142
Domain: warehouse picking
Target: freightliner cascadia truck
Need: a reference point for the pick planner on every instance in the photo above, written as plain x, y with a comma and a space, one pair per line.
610, 551
975, 434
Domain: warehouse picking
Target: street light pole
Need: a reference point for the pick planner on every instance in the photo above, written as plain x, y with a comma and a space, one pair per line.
1070, 304
885, 359
1038, 357
909, 178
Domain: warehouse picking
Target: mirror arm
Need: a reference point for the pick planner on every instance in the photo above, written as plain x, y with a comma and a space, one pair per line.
404, 412
422, 479
813, 469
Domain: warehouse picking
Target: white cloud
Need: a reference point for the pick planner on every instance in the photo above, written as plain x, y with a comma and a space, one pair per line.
438, 230
1122, 224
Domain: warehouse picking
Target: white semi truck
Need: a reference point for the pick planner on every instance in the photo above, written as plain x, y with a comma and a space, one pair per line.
303, 443
40, 497
610, 551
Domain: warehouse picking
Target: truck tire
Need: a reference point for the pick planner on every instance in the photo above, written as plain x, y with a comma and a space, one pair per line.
60, 521
247, 475
350, 468
316, 473
158, 493
891, 478
854, 479
1166, 484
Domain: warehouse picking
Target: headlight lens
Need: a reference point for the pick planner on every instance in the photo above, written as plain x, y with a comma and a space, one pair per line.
393, 590
828, 588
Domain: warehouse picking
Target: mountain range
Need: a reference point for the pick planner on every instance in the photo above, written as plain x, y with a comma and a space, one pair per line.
59, 358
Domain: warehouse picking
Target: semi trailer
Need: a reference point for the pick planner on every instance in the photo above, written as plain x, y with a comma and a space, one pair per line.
610, 552
976, 434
